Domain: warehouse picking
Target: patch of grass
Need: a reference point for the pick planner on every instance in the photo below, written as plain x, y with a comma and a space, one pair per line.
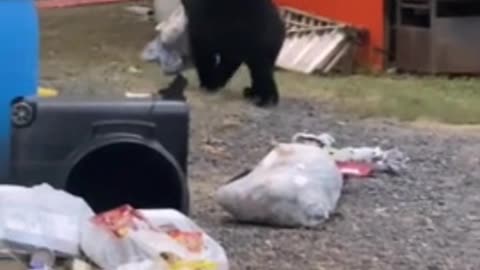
408, 98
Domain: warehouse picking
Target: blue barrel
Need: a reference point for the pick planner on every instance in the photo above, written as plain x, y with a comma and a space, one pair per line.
19, 54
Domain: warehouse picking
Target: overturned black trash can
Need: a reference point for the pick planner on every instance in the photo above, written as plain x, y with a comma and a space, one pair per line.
110, 152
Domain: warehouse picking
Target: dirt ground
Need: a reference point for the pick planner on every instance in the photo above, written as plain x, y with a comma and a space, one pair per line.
428, 219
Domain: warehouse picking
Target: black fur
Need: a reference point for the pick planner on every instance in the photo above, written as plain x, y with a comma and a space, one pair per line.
227, 33
175, 90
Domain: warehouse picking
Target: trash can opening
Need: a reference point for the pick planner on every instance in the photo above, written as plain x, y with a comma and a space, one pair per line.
126, 172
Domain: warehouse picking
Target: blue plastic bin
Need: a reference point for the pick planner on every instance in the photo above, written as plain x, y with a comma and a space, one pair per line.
19, 55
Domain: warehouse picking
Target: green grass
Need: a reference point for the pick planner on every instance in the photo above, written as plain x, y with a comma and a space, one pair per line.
408, 98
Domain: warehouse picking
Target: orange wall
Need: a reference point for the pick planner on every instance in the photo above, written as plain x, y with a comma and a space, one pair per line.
367, 14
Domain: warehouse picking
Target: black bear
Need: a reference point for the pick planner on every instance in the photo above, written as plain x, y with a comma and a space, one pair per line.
227, 33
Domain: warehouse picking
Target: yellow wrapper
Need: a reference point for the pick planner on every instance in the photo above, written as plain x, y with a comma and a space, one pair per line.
193, 265
47, 92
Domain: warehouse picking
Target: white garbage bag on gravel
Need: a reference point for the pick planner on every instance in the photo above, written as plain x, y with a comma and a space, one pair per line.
295, 185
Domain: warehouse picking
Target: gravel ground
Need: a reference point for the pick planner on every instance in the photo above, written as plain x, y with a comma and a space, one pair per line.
428, 219
425, 220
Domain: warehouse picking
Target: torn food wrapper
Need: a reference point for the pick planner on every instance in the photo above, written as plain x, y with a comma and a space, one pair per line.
125, 235
193, 241
121, 220
355, 169
126, 221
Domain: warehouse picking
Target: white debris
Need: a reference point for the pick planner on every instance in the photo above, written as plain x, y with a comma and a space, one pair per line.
139, 10
392, 160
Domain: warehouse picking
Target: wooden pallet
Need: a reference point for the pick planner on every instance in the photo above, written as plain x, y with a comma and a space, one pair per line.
312, 42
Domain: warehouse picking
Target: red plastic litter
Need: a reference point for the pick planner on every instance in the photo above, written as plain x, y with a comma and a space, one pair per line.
45, 4
355, 169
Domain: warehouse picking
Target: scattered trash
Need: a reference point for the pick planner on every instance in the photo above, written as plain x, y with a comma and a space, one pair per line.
392, 161
299, 184
41, 217
40, 224
355, 169
366, 160
314, 43
126, 238
129, 94
134, 70
47, 92
322, 140
295, 185
140, 10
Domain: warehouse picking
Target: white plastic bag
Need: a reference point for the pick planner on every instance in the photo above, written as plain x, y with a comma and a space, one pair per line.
110, 252
170, 48
42, 217
170, 60
294, 185
163, 9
